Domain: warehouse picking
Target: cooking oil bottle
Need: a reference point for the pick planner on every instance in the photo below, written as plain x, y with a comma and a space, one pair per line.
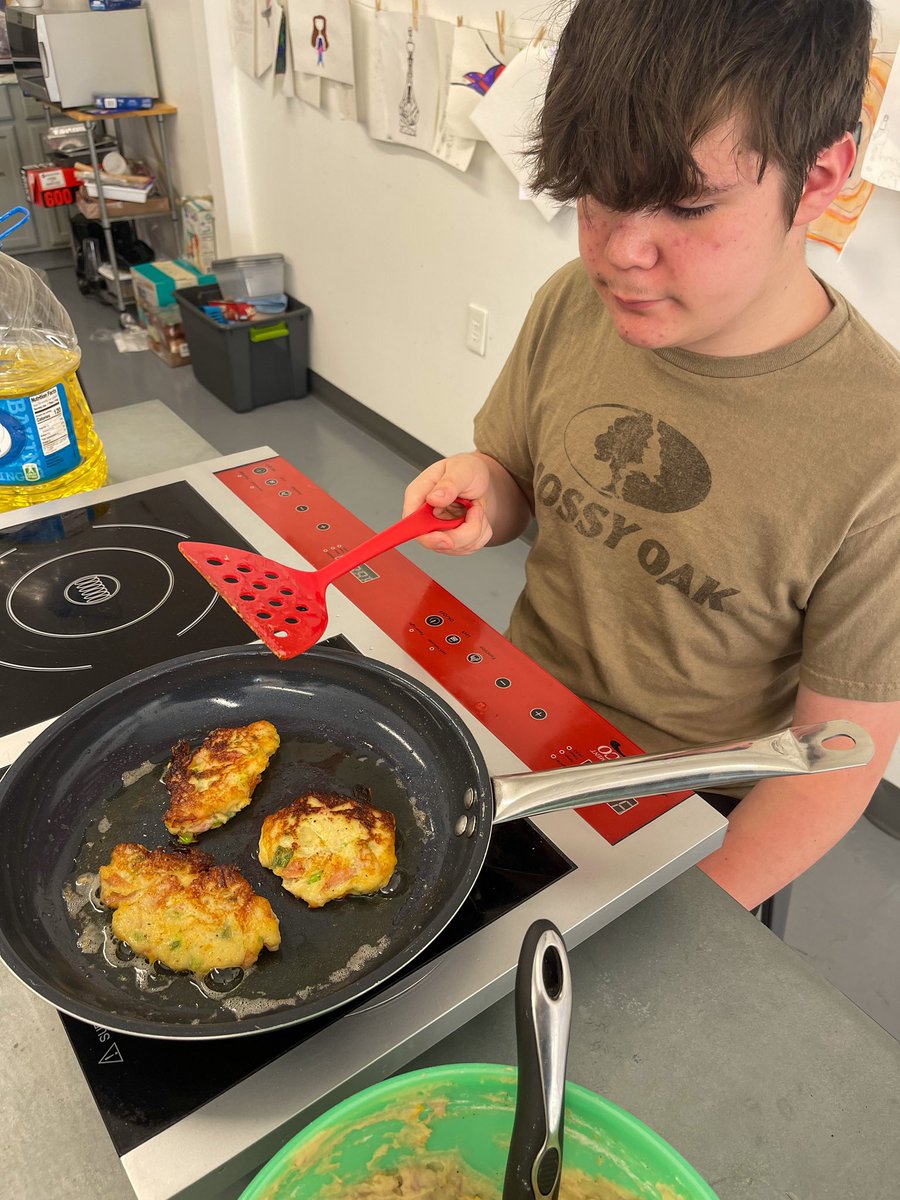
48, 444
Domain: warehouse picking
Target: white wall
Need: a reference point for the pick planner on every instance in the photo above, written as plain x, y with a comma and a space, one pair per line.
182, 65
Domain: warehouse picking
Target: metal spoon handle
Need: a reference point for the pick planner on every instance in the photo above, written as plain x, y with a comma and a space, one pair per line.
802, 750
543, 1000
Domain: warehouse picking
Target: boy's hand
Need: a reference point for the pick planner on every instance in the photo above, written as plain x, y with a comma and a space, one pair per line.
465, 475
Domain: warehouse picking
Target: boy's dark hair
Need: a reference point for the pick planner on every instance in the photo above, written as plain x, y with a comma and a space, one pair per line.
636, 83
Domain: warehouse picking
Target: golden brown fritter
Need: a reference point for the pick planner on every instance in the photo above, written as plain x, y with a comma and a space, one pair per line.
210, 785
324, 846
179, 908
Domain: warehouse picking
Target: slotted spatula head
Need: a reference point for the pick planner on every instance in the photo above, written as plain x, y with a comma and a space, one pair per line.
283, 606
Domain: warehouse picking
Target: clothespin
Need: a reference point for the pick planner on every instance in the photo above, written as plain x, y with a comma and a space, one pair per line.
415, 15
501, 31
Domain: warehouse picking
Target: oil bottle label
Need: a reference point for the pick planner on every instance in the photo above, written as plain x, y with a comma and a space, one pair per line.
37, 438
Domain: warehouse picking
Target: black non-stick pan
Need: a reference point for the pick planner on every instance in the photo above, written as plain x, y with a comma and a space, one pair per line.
92, 779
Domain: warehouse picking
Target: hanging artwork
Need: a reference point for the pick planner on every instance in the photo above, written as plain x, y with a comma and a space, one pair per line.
322, 39
408, 74
507, 114
367, 68
449, 147
266, 19
839, 220
243, 39
881, 164
477, 61
406, 86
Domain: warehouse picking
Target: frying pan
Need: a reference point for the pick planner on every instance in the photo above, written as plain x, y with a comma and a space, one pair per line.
92, 779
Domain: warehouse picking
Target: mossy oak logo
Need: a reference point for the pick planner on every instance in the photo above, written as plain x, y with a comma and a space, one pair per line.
628, 454
625, 454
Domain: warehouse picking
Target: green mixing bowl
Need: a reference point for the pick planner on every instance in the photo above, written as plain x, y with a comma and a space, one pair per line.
468, 1108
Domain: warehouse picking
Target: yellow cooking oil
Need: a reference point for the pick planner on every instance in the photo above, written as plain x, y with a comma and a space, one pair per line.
48, 444
47, 384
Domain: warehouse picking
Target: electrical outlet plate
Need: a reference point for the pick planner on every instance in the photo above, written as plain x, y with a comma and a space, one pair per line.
476, 330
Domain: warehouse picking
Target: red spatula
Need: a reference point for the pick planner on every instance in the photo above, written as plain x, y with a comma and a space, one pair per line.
283, 606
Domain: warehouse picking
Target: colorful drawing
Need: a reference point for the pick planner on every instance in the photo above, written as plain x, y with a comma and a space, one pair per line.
838, 221
482, 81
322, 46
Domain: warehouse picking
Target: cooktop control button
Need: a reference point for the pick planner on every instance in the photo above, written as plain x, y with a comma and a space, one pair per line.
260, 470
301, 508
271, 482
502, 682
434, 619
473, 658
453, 639
323, 526
539, 714
284, 493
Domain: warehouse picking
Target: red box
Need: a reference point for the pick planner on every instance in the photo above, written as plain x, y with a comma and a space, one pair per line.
48, 186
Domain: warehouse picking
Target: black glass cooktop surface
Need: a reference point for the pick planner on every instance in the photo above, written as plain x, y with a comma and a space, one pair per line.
93, 594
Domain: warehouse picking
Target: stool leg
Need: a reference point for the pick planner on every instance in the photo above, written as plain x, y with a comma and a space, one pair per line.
773, 912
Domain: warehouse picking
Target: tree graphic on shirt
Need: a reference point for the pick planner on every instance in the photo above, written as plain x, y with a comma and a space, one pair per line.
623, 445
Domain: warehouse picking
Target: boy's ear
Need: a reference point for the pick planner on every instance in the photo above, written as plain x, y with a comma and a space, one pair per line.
830, 173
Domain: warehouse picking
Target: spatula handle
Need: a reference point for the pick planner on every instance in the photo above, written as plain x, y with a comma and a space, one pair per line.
423, 520
543, 1001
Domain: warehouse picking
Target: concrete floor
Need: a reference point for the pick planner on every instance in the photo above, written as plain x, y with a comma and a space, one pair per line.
844, 913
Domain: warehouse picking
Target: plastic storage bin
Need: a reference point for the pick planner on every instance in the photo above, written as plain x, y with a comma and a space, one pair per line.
250, 364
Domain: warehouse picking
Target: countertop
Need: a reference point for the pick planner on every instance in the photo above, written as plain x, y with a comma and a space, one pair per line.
688, 1013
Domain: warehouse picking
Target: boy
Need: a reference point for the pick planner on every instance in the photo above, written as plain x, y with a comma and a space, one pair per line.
707, 435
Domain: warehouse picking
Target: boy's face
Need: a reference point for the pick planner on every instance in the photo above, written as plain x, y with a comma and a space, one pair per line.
710, 275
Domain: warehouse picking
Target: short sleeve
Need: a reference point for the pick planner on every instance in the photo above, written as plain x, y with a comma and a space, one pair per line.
851, 632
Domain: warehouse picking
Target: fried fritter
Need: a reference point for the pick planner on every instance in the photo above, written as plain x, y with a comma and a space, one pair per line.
179, 908
324, 846
210, 785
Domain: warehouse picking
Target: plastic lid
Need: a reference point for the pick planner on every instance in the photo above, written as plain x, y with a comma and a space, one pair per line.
245, 260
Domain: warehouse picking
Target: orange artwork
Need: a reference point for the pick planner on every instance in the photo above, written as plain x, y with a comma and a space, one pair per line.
839, 220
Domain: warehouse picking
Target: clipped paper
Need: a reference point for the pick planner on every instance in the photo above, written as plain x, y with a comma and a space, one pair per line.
507, 115
881, 164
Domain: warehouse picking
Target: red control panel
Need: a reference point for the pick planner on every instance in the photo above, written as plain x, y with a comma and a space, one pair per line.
524, 707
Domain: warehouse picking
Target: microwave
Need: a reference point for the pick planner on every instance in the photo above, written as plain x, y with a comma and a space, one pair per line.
70, 57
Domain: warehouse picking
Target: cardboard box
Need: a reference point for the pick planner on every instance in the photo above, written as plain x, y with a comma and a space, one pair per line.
199, 225
49, 186
167, 339
155, 284
122, 103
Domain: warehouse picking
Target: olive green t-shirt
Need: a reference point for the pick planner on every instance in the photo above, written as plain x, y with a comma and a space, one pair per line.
710, 531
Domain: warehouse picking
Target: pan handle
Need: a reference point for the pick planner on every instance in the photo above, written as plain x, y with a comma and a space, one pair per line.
801, 750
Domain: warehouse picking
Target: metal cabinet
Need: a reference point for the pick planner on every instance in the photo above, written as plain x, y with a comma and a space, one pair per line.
22, 121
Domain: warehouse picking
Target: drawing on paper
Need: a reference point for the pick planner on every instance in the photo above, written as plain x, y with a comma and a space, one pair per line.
409, 109
839, 220
482, 81
319, 39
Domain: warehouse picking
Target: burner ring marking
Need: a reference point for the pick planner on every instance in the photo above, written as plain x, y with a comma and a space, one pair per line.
170, 585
